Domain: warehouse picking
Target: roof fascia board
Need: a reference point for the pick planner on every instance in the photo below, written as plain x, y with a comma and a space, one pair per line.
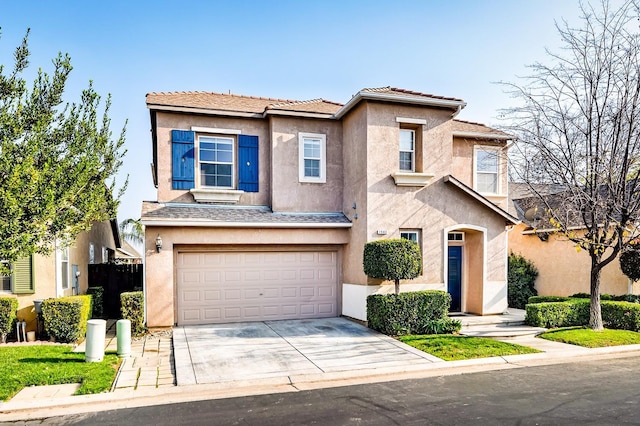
299, 114
406, 99
205, 111
480, 135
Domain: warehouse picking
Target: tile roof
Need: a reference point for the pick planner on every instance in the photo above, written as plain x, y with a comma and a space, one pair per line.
403, 92
471, 127
238, 103
210, 215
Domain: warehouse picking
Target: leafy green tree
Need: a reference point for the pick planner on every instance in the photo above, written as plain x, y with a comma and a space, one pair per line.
392, 259
58, 161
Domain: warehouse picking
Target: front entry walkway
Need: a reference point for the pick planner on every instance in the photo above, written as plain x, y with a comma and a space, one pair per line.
256, 350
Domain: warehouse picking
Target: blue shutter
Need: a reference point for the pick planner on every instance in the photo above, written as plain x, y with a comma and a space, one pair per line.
248, 163
182, 153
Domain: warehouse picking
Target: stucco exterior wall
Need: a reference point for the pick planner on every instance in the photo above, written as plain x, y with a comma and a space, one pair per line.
171, 121
160, 272
45, 270
563, 271
288, 193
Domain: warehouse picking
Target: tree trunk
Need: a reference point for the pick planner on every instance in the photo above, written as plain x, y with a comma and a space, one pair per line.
397, 282
595, 311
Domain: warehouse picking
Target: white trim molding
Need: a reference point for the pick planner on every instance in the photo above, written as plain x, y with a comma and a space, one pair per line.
412, 179
407, 120
216, 130
322, 139
211, 195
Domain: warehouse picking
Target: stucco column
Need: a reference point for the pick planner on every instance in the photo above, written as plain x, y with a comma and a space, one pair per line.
159, 281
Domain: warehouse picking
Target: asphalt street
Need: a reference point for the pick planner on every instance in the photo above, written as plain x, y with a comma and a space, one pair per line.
605, 392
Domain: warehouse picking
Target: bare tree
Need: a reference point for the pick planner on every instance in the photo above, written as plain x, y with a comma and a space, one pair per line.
578, 123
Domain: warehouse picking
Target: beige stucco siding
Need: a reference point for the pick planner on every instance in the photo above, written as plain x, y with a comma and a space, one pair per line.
160, 270
291, 195
171, 121
563, 271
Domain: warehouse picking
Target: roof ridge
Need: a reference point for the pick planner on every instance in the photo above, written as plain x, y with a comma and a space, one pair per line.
473, 122
203, 92
306, 102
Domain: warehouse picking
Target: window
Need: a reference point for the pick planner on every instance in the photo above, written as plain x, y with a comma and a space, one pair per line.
92, 254
215, 157
487, 165
455, 236
410, 235
312, 157
64, 267
105, 255
6, 280
407, 150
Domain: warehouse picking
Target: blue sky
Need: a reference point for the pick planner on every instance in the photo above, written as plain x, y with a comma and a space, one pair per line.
284, 49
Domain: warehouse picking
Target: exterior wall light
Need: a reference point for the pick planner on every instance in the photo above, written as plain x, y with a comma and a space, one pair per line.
158, 243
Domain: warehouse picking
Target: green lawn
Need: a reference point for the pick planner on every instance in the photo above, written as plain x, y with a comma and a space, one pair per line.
451, 348
588, 338
22, 366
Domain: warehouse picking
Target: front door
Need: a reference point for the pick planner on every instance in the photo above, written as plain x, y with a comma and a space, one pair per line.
454, 279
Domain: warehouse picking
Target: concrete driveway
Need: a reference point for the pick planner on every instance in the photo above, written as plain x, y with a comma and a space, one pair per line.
256, 350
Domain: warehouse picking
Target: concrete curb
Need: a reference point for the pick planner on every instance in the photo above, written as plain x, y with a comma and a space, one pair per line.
129, 398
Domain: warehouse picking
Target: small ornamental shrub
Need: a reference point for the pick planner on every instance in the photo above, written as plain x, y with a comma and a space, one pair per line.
65, 318
521, 281
97, 301
133, 310
410, 313
621, 315
8, 310
547, 299
393, 260
630, 263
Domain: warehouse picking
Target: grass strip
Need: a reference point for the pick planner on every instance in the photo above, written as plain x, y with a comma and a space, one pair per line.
452, 347
588, 338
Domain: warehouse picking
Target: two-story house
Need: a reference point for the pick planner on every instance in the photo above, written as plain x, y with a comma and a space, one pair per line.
264, 205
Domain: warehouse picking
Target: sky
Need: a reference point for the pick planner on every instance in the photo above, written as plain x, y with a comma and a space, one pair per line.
298, 50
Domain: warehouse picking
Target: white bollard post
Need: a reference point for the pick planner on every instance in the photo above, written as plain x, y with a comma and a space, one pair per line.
96, 333
123, 333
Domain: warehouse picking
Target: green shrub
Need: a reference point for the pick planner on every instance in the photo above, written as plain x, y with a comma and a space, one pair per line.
579, 296
8, 310
443, 326
630, 263
620, 298
547, 299
521, 281
558, 314
408, 313
97, 301
621, 315
392, 259
133, 310
633, 298
65, 318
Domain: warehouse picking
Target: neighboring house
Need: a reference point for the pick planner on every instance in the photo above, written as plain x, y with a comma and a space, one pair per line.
264, 205
562, 269
63, 273
127, 254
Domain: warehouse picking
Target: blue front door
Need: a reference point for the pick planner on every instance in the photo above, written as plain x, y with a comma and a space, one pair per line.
454, 279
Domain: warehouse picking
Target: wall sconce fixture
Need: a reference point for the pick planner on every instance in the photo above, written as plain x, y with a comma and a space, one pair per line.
158, 243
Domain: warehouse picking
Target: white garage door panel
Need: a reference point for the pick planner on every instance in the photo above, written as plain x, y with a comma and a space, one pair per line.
255, 286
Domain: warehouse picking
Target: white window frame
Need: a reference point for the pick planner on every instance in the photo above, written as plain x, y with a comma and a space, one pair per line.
496, 150
92, 254
415, 232
322, 138
63, 279
412, 151
198, 171
105, 255
10, 277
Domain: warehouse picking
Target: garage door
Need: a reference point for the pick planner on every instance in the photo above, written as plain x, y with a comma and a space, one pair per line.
219, 287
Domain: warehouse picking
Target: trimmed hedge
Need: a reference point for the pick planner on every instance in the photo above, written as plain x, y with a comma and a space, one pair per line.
8, 312
133, 310
392, 259
417, 312
97, 301
65, 318
634, 298
575, 312
546, 299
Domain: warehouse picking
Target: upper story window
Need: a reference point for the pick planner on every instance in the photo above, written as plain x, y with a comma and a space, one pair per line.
64, 268
487, 166
312, 157
216, 159
407, 150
